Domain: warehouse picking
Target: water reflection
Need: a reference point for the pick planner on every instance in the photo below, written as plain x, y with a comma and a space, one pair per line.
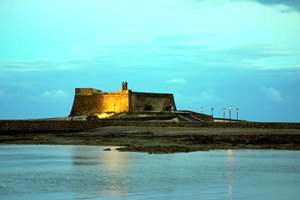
87, 172
116, 165
112, 165
229, 173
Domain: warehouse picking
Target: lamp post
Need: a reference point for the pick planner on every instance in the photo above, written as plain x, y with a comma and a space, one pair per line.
237, 113
224, 112
212, 112
229, 108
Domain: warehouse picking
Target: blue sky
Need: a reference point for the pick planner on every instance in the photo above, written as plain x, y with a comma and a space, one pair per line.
209, 53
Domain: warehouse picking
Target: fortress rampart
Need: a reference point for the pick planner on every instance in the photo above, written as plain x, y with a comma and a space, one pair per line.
87, 91
141, 101
90, 101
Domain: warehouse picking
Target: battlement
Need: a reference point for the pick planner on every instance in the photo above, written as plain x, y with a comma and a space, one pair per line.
87, 91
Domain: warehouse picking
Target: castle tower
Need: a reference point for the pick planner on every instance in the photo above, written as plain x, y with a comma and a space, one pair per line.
124, 85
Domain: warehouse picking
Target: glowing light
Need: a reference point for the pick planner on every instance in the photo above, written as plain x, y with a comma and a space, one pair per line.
105, 115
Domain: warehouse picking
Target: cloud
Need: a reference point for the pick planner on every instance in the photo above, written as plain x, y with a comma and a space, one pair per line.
273, 94
277, 68
177, 80
41, 65
293, 4
56, 94
191, 42
254, 51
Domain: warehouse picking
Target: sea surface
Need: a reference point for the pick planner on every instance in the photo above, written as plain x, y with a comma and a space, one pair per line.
89, 172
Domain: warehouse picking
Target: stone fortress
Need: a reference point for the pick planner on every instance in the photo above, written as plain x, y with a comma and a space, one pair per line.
90, 101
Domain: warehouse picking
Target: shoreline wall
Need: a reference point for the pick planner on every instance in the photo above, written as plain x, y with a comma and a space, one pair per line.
43, 126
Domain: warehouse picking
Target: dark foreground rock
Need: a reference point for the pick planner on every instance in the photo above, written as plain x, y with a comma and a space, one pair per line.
156, 149
156, 139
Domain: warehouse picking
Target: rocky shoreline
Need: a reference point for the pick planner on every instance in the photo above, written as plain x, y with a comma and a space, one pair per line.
154, 137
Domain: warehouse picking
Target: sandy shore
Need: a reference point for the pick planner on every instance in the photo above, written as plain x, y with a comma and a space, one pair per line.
154, 139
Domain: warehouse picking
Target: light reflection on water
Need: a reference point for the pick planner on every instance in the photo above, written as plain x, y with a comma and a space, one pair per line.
114, 163
229, 174
88, 172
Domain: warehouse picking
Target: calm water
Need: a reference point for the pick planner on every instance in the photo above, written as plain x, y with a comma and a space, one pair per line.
88, 172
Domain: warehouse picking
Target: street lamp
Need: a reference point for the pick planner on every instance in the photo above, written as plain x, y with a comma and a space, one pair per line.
212, 112
229, 108
237, 113
224, 112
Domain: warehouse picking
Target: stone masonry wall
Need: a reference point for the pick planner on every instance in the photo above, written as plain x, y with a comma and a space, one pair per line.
86, 91
100, 103
140, 102
89, 101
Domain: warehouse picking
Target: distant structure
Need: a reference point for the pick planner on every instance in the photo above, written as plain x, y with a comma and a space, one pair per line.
90, 101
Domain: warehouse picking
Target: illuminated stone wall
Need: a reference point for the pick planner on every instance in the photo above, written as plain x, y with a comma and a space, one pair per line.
86, 104
89, 101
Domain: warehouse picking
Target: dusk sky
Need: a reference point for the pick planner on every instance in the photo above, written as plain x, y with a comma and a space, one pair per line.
208, 53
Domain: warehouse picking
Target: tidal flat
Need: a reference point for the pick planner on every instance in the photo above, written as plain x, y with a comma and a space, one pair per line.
162, 139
